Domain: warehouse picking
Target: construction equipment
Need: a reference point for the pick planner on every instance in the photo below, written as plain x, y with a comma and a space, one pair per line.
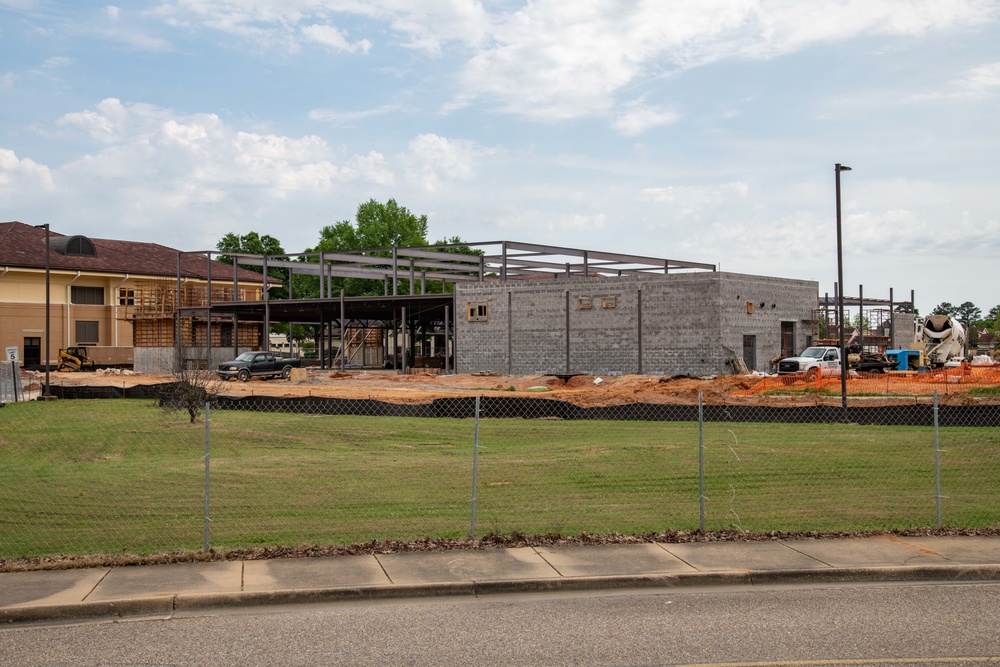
824, 361
75, 359
944, 339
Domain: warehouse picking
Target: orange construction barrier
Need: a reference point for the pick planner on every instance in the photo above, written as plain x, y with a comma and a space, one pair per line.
945, 380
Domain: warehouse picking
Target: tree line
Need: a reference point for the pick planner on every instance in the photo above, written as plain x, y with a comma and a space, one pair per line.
376, 225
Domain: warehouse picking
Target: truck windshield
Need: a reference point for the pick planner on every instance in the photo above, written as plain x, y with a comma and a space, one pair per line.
813, 352
246, 356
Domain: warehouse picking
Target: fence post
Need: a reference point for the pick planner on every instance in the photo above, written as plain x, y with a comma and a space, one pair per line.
475, 466
701, 465
937, 459
208, 429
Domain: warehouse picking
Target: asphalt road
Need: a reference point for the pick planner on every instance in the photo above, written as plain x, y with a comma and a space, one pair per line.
955, 624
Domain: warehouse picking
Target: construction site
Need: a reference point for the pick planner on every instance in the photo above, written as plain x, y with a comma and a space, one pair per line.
589, 327
503, 307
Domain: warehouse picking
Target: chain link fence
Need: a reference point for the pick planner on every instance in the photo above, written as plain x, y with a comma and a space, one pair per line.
136, 474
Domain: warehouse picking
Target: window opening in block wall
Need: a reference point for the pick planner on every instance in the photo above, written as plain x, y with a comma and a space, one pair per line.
478, 311
586, 302
609, 302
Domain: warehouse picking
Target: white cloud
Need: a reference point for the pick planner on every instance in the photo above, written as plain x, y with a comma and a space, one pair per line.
17, 174
635, 118
433, 160
347, 117
56, 62
544, 226
552, 60
334, 38
981, 81
194, 174
426, 26
693, 201
111, 121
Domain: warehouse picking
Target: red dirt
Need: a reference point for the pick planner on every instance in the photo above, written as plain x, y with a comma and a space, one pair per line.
582, 390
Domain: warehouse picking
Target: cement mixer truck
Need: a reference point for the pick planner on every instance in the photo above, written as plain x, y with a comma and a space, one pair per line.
944, 339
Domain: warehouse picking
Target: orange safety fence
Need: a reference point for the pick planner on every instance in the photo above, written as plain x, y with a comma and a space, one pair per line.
922, 382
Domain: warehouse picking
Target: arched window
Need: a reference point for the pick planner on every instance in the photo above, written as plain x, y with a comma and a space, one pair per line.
75, 246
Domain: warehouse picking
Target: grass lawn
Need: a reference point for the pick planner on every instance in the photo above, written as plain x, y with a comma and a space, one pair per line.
106, 476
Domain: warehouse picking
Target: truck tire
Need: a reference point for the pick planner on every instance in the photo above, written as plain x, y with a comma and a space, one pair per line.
286, 372
812, 374
243, 375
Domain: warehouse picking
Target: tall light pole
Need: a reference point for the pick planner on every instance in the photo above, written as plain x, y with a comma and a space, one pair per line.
47, 308
840, 294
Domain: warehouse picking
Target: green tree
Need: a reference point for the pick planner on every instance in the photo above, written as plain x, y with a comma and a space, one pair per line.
944, 308
378, 227
255, 244
456, 247
968, 312
859, 324
992, 320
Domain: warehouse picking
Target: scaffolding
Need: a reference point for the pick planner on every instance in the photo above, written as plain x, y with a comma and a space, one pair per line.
152, 308
884, 321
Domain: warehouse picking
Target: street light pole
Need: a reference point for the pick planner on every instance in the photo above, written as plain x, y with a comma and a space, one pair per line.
48, 272
840, 294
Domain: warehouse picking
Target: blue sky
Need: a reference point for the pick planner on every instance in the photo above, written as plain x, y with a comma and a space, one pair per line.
704, 131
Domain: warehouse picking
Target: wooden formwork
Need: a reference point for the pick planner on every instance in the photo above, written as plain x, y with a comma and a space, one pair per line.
153, 308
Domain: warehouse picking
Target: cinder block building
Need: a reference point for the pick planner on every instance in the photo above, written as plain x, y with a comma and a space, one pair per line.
682, 323
516, 308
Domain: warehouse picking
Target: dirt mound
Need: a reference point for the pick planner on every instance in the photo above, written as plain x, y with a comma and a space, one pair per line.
581, 390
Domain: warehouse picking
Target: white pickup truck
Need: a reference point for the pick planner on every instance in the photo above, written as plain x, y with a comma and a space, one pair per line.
814, 362
824, 361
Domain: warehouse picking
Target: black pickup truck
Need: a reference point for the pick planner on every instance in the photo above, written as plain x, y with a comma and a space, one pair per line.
257, 364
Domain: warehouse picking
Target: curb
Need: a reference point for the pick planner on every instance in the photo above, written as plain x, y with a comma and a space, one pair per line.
156, 607
171, 605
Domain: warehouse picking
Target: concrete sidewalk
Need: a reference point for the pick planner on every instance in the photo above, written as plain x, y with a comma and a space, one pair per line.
163, 591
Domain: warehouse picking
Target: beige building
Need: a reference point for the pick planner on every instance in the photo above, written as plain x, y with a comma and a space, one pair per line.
110, 296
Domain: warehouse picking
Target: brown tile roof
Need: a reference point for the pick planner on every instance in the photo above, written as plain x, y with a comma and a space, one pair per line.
23, 246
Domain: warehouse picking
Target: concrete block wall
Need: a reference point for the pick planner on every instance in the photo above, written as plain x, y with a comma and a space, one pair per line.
680, 321
775, 300
690, 323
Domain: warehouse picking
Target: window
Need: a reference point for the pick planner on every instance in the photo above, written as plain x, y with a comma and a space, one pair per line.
126, 297
609, 302
478, 311
93, 296
226, 334
586, 302
87, 333
81, 246
75, 246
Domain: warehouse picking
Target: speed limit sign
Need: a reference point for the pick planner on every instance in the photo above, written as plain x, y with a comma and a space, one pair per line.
11, 354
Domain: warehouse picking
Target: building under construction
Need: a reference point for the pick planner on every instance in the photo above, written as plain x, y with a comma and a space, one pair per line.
503, 307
